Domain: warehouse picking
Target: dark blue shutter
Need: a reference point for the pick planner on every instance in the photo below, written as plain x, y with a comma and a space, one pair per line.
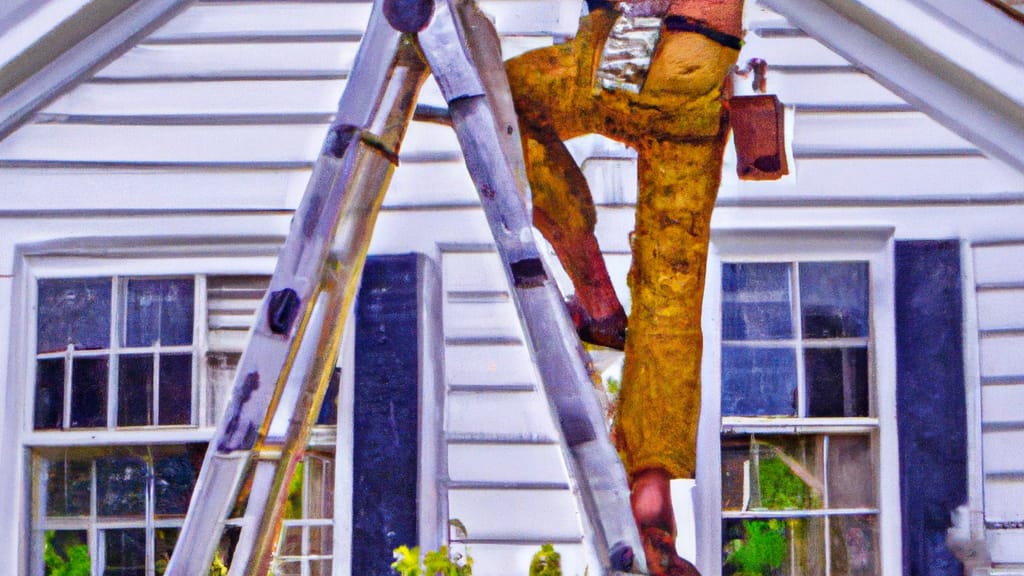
386, 420
931, 401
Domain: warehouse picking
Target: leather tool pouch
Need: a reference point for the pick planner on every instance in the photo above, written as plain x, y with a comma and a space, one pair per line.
757, 126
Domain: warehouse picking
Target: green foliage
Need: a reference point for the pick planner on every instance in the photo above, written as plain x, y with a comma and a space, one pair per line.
218, 567
73, 562
293, 505
781, 489
546, 562
763, 549
435, 563
614, 385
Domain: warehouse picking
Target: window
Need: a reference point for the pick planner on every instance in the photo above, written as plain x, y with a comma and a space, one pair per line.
306, 544
120, 353
795, 345
114, 352
118, 507
804, 415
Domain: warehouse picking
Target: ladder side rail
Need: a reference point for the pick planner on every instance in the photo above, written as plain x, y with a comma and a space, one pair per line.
317, 358
341, 200
595, 470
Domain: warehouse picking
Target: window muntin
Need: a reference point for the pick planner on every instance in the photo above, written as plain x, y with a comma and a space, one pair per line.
795, 339
114, 352
799, 436
115, 509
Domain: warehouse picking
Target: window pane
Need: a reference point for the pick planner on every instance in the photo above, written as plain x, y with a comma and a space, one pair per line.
834, 299
320, 492
89, 392
329, 409
175, 471
220, 376
126, 552
837, 382
49, 394
772, 472
159, 309
121, 486
66, 552
68, 485
165, 538
75, 311
851, 472
758, 381
175, 389
135, 390
774, 547
756, 302
854, 542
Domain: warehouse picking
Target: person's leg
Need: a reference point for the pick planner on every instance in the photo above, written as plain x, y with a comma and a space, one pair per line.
564, 212
552, 101
659, 405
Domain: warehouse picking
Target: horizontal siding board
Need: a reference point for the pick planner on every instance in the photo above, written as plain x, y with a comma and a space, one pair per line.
245, 19
1004, 501
991, 264
1003, 405
215, 98
473, 272
1001, 355
520, 514
169, 144
508, 463
433, 184
482, 320
184, 98
522, 414
1001, 309
232, 60
900, 132
788, 51
514, 560
1003, 452
904, 179
1006, 546
98, 189
254, 18
488, 365
255, 59
104, 189
823, 90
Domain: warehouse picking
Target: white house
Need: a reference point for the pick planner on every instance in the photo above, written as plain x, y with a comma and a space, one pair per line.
864, 316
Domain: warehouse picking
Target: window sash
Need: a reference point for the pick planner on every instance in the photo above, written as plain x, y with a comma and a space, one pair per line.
767, 245
116, 351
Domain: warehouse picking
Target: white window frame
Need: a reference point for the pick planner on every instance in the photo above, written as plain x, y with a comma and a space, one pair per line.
768, 245
199, 258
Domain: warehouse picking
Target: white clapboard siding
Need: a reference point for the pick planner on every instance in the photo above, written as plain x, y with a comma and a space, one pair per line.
1000, 312
489, 365
312, 19
507, 478
201, 99
201, 144
883, 179
833, 133
237, 60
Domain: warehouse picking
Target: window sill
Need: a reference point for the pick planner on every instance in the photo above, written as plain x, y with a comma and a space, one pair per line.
785, 425
119, 436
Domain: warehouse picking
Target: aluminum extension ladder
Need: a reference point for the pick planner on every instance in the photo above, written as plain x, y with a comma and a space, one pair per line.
298, 326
